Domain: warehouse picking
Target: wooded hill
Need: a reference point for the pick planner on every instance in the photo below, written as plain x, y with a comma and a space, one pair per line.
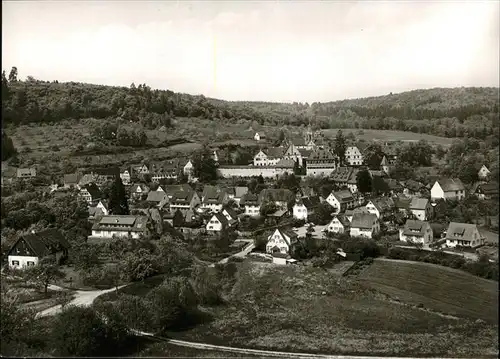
448, 112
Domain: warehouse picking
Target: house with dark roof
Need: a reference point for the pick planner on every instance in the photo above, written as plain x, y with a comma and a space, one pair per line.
416, 231
280, 196
71, 180
236, 193
259, 136
269, 156
402, 204
231, 215
281, 241
99, 210
483, 173
138, 191
217, 223
90, 193
463, 235
339, 224
119, 226
158, 198
421, 208
486, 190
304, 207
321, 162
341, 201
349, 214
184, 200
381, 207
345, 177
213, 199
414, 188
364, 225
31, 248
251, 204
103, 175
448, 189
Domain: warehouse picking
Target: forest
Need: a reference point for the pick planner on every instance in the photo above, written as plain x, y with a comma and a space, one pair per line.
447, 112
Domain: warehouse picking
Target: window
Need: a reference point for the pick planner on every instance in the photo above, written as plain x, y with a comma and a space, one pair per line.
31, 264
15, 263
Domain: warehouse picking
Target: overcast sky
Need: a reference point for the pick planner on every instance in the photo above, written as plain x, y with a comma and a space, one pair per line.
270, 51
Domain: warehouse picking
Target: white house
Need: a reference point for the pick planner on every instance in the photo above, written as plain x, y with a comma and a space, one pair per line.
119, 226
448, 188
340, 201
31, 248
421, 208
280, 241
380, 206
212, 199
236, 193
259, 136
90, 193
188, 168
125, 176
100, 209
138, 190
251, 204
353, 156
268, 157
464, 235
305, 206
184, 200
339, 224
217, 223
364, 225
384, 166
416, 232
483, 173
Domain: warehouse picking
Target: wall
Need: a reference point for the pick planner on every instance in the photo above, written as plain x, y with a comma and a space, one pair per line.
251, 171
23, 261
325, 171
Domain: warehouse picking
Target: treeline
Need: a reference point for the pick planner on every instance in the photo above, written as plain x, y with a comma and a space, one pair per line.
456, 112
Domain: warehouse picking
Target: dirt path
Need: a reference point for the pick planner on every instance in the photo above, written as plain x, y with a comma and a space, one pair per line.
242, 254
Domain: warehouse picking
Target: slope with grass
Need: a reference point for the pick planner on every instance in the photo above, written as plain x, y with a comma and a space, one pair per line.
434, 287
303, 309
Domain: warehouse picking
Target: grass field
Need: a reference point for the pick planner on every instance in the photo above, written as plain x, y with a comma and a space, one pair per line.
445, 290
284, 308
387, 135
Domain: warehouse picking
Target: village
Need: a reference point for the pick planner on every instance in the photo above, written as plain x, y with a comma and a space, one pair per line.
402, 211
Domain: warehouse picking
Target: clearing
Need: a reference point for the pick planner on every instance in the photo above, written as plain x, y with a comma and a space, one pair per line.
388, 135
283, 308
441, 289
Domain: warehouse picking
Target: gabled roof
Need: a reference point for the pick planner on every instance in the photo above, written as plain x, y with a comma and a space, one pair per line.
249, 199
231, 212
71, 178
415, 228
322, 154
239, 191
93, 190
309, 202
384, 162
342, 174
221, 218
489, 189
107, 171
157, 196
461, 231
143, 187
182, 197
413, 185
46, 242
402, 202
298, 141
304, 152
276, 194
284, 234
171, 189
344, 196
451, 184
363, 220
342, 219
383, 204
274, 152
358, 210
419, 203
122, 222
393, 184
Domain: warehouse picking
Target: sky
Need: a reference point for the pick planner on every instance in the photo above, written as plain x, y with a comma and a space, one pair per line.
279, 51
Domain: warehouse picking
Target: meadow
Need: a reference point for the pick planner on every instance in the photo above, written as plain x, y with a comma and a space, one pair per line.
304, 309
441, 289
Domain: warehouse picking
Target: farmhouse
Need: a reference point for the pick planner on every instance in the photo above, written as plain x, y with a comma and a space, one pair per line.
380, 207
305, 206
353, 156
212, 199
259, 136
268, 157
486, 190
71, 180
158, 198
364, 225
119, 226
341, 201
217, 223
184, 201
296, 154
103, 175
345, 177
414, 188
188, 168
31, 248
90, 193
483, 173
349, 214
26, 172
251, 203
100, 209
463, 235
416, 231
339, 224
126, 175
280, 241
421, 208
447, 189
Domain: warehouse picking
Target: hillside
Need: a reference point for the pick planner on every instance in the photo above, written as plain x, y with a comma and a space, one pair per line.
455, 112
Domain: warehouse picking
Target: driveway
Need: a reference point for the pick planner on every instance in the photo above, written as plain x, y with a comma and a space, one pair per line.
242, 254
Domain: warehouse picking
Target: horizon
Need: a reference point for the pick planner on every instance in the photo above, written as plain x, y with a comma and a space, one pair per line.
237, 51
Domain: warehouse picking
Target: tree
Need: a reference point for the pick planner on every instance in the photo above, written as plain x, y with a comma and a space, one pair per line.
440, 152
13, 75
373, 156
85, 256
267, 208
8, 149
206, 285
118, 202
138, 266
16, 325
178, 219
204, 166
323, 213
340, 147
45, 272
364, 181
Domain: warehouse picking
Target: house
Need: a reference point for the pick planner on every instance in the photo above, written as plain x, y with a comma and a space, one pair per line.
29, 249
322, 161
86, 179
349, 214
448, 188
390, 154
230, 215
364, 225
339, 224
380, 207
353, 156
286, 165
341, 201
269, 156
215, 156
416, 231
483, 173
297, 154
305, 206
184, 201
259, 136
158, 198
103, 175
236, 193
188, 169
141, 169
279, 196
421, 208
394, 186
345, 177
71, 181
217, 223
170, 190
126, 176
139, 190
402, 204
384, 166
280, 241
251, 204
463, 235
212, 199
119, 226
90, 193
100, 209
486, 190
414, 188
26, 172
